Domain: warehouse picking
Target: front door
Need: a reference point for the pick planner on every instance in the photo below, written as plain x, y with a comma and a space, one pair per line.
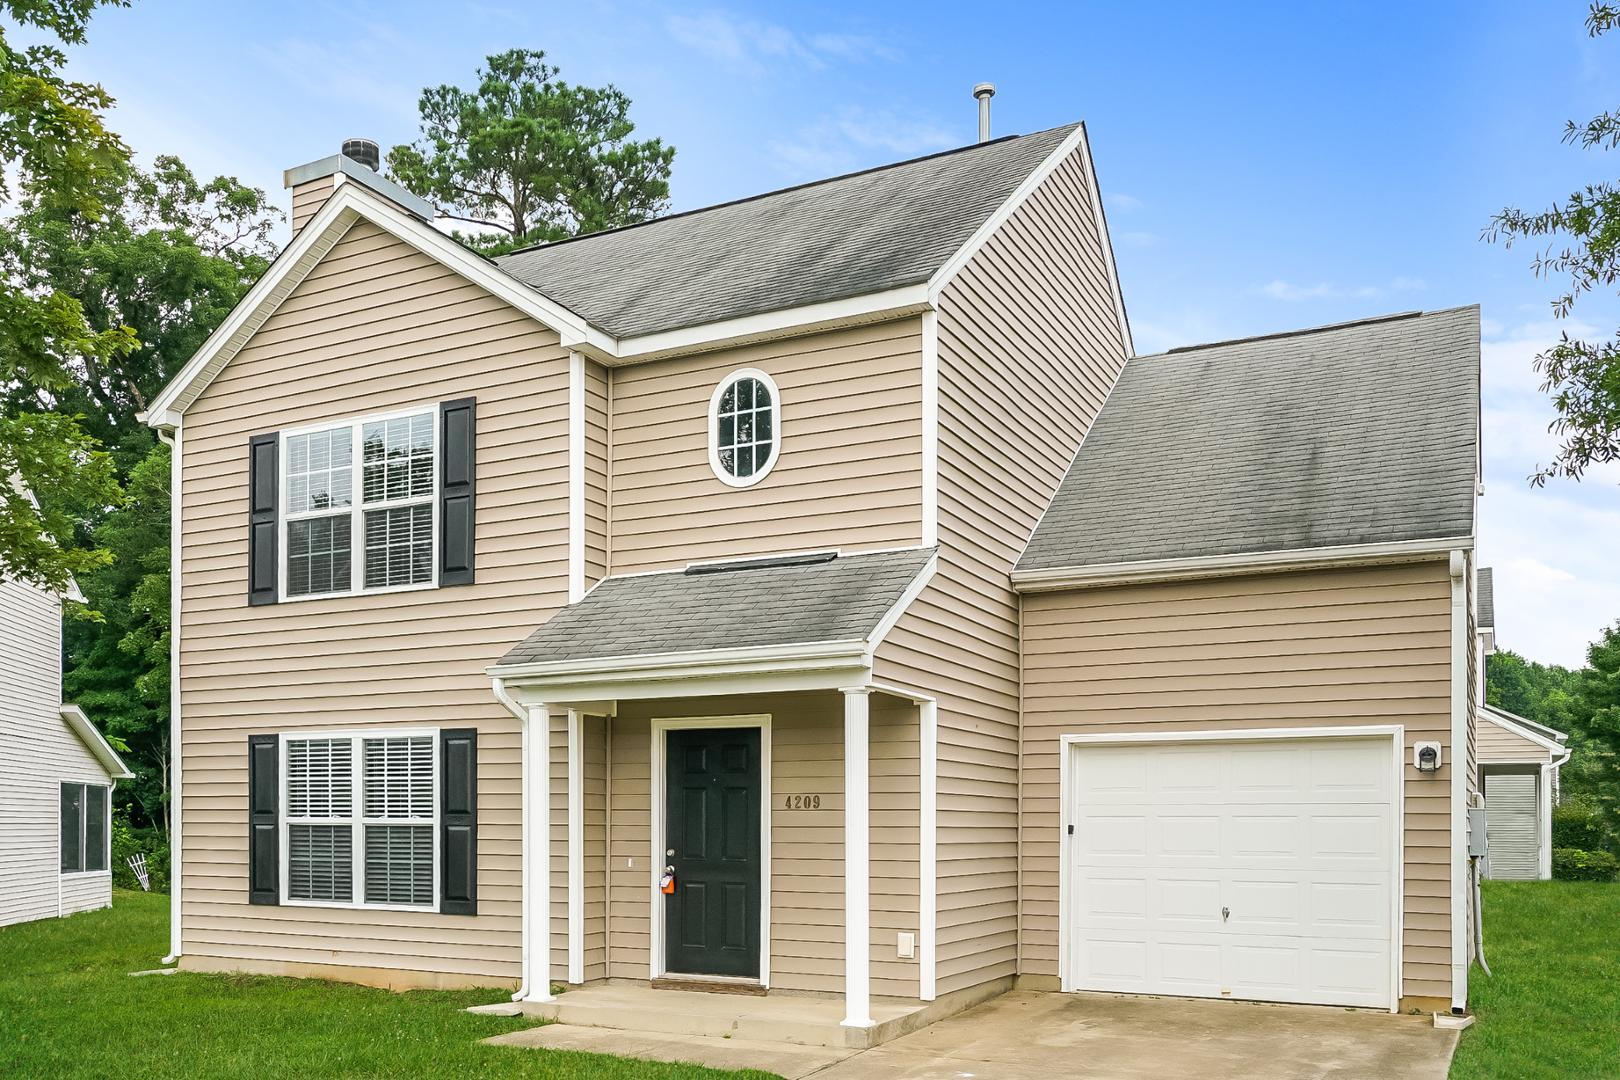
711, 833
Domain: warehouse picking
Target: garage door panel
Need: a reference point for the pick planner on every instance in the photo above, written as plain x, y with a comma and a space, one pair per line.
1292, 838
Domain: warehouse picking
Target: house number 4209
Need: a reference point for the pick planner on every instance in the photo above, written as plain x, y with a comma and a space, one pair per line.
801, 802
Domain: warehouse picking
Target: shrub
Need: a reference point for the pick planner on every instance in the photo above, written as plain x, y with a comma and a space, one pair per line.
1577, 824
1573, 864
126, 841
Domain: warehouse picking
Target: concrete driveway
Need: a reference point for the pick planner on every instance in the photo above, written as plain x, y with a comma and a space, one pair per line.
1027, 1035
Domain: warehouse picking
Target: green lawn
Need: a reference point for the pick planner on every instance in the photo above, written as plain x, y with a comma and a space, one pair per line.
1552, 1008
68, 1008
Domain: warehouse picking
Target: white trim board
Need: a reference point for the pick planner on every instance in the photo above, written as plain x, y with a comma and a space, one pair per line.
1259, 562
1460, 871
1396, 733
660, 728
78, 723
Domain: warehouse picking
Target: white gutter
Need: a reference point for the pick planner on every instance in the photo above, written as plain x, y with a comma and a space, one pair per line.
1459, 781
174, 440
1258, 562
526, 935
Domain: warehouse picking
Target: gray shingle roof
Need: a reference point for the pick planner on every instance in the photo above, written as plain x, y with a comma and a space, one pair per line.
763, 602
1487, 598
830, 240
1353, 434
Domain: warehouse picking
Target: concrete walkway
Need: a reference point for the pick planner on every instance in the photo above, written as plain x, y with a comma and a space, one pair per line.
1027, 1035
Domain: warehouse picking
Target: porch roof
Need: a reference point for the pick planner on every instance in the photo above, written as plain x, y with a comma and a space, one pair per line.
744, 604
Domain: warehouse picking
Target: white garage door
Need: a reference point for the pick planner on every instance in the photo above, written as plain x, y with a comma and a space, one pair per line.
1261, 870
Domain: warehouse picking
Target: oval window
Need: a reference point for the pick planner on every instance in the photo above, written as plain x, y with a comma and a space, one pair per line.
745, 427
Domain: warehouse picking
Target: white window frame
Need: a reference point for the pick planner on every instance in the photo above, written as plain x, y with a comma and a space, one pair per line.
358, 506
714, 428
106, 825
356, 819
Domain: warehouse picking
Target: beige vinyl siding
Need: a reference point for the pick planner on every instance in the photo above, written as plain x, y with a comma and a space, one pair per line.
1329, 647
807, 849
375, 327
307, 199
596, 856
1029, 345
848, 475
38, 753
1498, 745
596, 472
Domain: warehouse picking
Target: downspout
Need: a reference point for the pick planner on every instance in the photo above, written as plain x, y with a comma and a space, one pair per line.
173, 440
526, 935
1461, 870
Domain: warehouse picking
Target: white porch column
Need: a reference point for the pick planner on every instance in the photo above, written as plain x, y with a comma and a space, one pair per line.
857, 860
537, 854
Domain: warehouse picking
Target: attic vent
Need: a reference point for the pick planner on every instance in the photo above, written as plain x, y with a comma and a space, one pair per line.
769, 563
364, 151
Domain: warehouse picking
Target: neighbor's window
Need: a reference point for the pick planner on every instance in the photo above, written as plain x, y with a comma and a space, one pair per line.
385, 540
745, 427
361, 819
85, 828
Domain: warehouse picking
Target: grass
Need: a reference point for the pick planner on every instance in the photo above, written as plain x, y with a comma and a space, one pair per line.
69, 1009
1551, 1008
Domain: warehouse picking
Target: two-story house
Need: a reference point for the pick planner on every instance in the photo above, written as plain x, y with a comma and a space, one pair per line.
739, 601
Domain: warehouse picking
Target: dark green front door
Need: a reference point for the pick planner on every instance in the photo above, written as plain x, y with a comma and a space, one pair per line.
711, 831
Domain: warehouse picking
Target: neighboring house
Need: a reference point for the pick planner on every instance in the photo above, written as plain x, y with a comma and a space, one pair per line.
57, 773
1519, 761
703, 548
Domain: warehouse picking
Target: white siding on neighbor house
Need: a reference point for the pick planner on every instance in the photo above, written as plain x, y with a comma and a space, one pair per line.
38, 753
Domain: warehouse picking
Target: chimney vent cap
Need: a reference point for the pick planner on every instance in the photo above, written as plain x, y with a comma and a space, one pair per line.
984, 90
364, 151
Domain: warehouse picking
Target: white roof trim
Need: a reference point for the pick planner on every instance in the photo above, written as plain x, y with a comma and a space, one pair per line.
352, 202
1259, 562
1519, 726
93, 741
349, 204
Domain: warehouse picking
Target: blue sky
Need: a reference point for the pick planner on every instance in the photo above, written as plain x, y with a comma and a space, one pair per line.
1265, 167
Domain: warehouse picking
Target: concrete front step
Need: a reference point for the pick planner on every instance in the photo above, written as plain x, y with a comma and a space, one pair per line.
775, 1018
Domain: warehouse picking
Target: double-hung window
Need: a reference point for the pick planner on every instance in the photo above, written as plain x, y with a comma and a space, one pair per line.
361, 819
85, 824
360, 505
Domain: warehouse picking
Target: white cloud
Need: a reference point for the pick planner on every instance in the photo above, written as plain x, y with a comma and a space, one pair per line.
1291, 292
855, 138
1557, 584
754, 47
1122, 202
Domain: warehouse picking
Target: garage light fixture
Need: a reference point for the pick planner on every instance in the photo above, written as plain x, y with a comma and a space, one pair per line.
1426, 756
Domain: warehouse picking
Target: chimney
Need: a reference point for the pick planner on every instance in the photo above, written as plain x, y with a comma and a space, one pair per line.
358, 163
984, 92
364, 151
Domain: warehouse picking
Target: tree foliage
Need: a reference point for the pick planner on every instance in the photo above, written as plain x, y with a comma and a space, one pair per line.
532, 157
56, 151
1586, 705
1582, 248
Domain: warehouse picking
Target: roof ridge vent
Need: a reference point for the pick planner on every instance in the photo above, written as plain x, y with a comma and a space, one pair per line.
768, 562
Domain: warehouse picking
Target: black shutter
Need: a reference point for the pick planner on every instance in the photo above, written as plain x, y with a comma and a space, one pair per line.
456, 490
458, 821
262, 488
264, 824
